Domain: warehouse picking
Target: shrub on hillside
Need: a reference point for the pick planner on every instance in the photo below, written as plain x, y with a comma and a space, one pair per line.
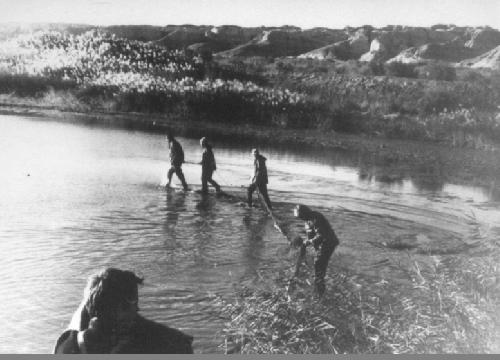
350, 67
437, 100
377, 68
284, 67
235, 72
437, 71
464, 127
400, 69
343, 118
34, 86
473, 76
365, 70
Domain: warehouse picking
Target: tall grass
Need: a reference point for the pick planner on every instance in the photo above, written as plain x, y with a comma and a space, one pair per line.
24, 85
99, 72
447, 305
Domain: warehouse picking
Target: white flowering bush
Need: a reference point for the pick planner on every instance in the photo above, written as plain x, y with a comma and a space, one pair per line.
131, 67
83, 57
130, 82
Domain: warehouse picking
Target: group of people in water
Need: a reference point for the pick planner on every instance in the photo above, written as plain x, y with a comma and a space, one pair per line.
107, 320
208, 166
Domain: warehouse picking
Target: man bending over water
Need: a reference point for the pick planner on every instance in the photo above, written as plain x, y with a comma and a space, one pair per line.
320, 235
107, 321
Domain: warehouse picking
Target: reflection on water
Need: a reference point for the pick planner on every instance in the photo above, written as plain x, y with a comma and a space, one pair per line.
76, 198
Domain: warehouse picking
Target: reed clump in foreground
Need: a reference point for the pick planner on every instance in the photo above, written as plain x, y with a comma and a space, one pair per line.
446, 306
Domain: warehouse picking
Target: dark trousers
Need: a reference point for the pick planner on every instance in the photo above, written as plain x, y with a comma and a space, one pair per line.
262, 189
206, 177
320, 265
178, 171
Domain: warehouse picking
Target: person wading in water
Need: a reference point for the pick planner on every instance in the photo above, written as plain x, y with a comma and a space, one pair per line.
324, 240
259, 179
107, 321
176, 161
208, 167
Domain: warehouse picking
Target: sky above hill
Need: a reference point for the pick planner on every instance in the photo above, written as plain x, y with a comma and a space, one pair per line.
303, 13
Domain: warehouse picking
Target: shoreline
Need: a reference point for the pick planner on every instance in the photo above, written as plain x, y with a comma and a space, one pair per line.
465, 165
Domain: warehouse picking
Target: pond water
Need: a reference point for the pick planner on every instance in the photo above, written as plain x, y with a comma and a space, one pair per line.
76, 198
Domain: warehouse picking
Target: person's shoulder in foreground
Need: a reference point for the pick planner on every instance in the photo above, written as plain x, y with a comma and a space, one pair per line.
107, 321
150, 337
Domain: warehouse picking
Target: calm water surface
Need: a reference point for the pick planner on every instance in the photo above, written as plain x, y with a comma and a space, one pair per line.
75, 199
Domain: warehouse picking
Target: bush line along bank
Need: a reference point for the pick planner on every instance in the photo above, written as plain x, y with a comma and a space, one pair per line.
96, 71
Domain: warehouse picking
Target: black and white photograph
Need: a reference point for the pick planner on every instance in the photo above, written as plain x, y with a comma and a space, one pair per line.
250, 177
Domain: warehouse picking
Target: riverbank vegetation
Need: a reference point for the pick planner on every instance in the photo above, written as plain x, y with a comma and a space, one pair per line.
446, 305
95, 71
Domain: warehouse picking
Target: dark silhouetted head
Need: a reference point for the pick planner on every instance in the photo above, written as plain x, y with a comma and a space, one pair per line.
302, 212
112, 296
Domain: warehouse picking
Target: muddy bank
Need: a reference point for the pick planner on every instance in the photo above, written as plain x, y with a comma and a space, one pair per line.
427, 159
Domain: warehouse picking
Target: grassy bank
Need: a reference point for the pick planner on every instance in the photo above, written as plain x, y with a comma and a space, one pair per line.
403, 101
97, 72
450, 306
232, 102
